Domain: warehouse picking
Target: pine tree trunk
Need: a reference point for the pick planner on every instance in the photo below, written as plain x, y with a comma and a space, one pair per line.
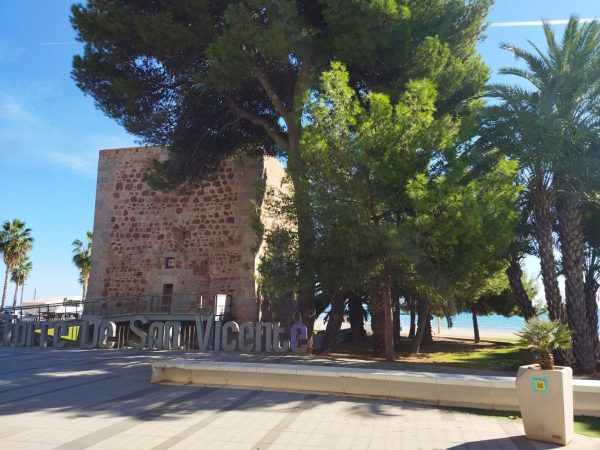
390, 354
5, 290
476, 337
15, 297
381, 321
543, 221
428, 335
423, 307
356, 317
334, 323
570, 229
413, 319
396, 318
377, 321
306, 288
514, 273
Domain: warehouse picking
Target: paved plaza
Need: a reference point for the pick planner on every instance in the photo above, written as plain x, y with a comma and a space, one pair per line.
75, 399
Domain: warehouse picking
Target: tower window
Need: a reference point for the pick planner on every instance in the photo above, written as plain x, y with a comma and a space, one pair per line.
169, 262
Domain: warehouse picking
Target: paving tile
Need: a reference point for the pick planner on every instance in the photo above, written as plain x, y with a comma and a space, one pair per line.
124, 411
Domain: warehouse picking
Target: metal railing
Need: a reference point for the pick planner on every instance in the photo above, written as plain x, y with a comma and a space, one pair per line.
117, 306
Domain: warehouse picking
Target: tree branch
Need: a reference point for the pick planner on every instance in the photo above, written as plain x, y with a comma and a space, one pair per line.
257, 120
275, 99
301, 83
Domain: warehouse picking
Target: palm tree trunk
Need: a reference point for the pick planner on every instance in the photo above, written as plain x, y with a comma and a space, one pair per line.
543, 221
591, 291
423, 307
5, 291
84, 286
428, 333
571, 243
15, 297
592, 313
514, 272
476, 337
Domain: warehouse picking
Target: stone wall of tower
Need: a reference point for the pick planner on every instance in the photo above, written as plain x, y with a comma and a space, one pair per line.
206, 230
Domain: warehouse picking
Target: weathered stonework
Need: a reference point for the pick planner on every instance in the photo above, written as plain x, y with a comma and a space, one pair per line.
206, 230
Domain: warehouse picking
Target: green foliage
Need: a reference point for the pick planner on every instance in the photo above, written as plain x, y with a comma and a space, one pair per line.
213, 79
278, 267
380, 207
82, 253
21, 272
361, 151
553, 129
15, 242
462, 224
82, 258
544, 335
277, 271
496, 296
15, 245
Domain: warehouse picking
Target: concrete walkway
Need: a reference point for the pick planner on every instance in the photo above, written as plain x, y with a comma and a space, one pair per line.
74, 399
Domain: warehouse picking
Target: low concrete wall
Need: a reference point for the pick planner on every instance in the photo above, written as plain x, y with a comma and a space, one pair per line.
489, 392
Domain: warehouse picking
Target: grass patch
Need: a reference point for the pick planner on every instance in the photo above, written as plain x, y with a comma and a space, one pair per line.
503, 355
590, 426
492, 357
586, 425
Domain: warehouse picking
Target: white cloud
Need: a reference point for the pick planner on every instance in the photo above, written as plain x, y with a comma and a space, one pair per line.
32, 133
82, 164
9, 52
11, 109
538, 23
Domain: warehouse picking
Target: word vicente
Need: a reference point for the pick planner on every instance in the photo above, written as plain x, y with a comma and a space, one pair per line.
211, 334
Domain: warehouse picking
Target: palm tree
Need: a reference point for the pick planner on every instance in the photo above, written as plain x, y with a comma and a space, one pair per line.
82, 258
543, 337
521, 127
19, 275
559, 122
15, 244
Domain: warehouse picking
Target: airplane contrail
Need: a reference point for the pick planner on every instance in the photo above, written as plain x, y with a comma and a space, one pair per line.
539, 23
57, 43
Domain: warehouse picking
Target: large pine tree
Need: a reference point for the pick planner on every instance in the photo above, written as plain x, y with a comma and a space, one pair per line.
211, 78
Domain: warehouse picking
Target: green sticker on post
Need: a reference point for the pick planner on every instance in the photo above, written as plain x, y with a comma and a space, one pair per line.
539, 385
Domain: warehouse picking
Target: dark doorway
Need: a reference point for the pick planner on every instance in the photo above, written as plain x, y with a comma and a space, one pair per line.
167, 298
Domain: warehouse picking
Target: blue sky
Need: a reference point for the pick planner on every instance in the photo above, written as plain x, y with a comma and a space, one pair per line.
50, 133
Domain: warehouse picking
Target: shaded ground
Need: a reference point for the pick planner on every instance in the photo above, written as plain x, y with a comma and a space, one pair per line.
75, 399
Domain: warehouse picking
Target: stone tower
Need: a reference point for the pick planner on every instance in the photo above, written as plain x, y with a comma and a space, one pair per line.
181, 245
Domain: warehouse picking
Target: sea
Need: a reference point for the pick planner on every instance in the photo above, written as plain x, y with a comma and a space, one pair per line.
489, 325
492, 325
